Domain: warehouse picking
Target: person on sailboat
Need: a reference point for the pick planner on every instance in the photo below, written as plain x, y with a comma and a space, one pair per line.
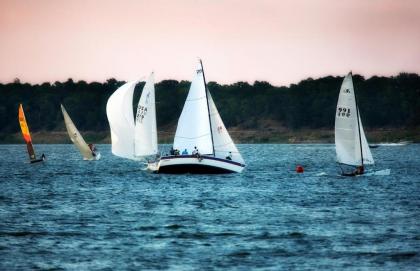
174, 151
197, 154
360, 170
92, 149
229, 157
185, 152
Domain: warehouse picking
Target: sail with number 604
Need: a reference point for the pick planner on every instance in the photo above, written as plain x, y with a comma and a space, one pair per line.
133, 138
145, 130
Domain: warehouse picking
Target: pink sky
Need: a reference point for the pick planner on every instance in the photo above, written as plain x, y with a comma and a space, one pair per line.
239, 40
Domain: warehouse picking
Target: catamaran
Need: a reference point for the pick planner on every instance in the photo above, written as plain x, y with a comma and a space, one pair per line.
351, 146
27, 137
88, 151
201, 144
133, 139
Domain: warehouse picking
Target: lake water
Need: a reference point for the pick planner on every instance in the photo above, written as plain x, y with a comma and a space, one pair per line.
72, 214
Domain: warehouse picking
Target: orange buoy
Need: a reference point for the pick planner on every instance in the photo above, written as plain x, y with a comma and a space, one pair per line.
299, 169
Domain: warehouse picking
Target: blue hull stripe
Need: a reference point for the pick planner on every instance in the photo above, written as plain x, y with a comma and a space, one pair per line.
203, 156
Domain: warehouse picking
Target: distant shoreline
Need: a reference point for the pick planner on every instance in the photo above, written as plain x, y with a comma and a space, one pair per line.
239, 136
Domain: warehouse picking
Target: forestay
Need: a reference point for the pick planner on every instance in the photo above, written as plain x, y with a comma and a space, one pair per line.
145, 133
193, 128
76, 137
119, 110
223, 143
347, 140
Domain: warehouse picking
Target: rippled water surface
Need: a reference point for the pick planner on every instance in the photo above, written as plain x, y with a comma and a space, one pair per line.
68, 213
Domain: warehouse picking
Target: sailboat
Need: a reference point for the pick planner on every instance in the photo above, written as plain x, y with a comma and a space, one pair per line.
27, 137
202, 144
351, 146
134, 139
88, 151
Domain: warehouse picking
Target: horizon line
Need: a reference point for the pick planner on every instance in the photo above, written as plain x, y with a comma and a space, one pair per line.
210, 81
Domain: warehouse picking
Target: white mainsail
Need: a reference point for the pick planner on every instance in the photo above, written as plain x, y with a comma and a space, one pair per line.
347, 138
223, 143
145, 132
193, 128
76, 137
119, 110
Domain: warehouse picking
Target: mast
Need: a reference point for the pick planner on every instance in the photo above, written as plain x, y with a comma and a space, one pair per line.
358, 123
208, 107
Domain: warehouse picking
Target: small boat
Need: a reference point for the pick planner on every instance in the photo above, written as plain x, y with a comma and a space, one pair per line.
351, 146
134, 139
88, 151
27, 137
394, 144
202, 144
374, 146
404, 142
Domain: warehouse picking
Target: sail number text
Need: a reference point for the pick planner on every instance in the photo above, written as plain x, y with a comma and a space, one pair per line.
343, 112
141, 113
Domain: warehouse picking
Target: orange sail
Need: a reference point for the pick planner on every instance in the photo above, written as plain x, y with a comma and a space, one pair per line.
25, 132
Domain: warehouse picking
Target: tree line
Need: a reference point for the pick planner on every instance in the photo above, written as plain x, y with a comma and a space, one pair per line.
383, 102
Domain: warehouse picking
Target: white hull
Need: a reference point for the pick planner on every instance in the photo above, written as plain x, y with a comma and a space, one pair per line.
402, 143
191, 164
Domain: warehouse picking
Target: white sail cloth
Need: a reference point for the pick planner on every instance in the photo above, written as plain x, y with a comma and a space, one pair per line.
193, 128
196, 129
145, 132
133, 139
119, 111
223, 143
76, 137
347, 139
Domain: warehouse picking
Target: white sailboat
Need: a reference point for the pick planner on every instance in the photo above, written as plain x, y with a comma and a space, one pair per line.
351, 145
88, 153
200, 128
131, 138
